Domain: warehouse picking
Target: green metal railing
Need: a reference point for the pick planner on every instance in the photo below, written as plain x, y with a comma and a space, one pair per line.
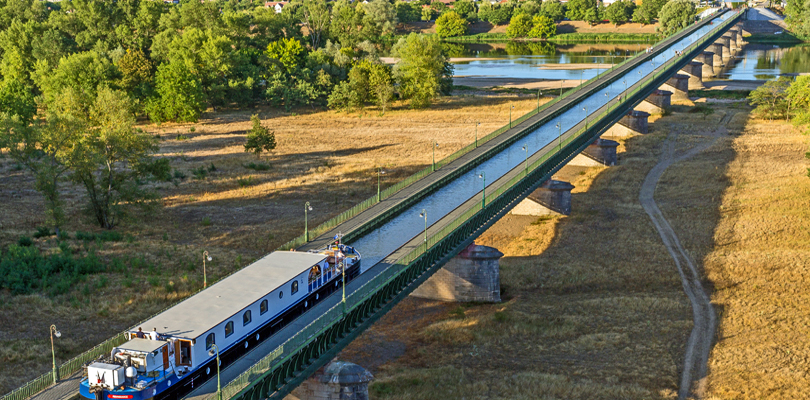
292, 347
358, 297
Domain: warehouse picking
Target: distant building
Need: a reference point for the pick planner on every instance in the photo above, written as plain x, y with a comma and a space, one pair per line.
276, 5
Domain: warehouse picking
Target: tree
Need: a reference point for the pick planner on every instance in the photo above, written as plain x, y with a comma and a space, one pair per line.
466, 9
579, 10
553, 9
347, 21
528, 7
421, 68
620, 12
137, 73
427, 14
317, 19
259, 138
798, 97
797, 17
381, 14
519, 26
648, 11
451, 24
543, 27
83, 72
407, 11
111, 157
438, 7
496, 14
676, 15
382, 87
287, 52
770, 99
179, 95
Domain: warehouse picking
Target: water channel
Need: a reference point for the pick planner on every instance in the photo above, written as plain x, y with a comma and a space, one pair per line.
526, 60
383, 241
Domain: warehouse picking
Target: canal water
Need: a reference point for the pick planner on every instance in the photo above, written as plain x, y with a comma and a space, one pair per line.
381, 242
525, 60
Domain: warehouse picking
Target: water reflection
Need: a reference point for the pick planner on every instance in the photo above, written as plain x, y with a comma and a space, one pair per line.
522, 59
763, 62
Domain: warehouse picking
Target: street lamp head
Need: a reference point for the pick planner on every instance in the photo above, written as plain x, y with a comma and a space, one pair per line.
57, 334
422, 214
211, 352
481, 175
208, 258
558, 125
523, 148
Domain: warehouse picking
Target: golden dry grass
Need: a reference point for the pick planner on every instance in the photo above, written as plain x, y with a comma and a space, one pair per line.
593, 307
324, 157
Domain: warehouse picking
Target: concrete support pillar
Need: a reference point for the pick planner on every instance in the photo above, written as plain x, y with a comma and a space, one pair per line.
338, 380
724, 41
600, 152
718, 50
472, 275
635, 122
707, 58
656, 103
678, 84
736, 38
551, 198
695, 72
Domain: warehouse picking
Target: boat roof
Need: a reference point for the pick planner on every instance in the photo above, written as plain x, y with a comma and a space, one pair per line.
199, 313
143, 345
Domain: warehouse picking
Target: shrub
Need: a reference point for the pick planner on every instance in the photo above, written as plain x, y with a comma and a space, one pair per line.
23, 269
259, 138
519, 26
42, 231
25, 241
257, 166
199, 173
451, 24
107, 236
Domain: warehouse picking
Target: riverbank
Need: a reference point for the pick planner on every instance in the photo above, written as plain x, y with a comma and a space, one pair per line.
560, 38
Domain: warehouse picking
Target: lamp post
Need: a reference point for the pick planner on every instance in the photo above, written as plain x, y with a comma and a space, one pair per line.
580, 77
625, 89
205, 277
379, 172
539, 93
476, 134
586, 116
211, 353
435, 145
423, 214
53, 332
559, 136
483, 176
343, 277
510, 116
561, 83
526, 149
307, 207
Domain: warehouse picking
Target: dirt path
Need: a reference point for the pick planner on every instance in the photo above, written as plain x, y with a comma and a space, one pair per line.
705, 320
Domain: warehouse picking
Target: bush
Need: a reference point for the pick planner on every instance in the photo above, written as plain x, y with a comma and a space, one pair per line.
108, 236
199, 173
24, 270
451, 24
519, 26
42, 231
259, 138
257, 166
25, 241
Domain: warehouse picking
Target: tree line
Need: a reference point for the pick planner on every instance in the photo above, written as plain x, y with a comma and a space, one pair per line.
76, 74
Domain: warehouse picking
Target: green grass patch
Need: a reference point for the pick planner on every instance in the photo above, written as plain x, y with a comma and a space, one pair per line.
109, 236
257, 166
610, 37
24, 269
785, 37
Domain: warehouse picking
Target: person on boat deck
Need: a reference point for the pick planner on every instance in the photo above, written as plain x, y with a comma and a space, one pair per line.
140, 334
153, 335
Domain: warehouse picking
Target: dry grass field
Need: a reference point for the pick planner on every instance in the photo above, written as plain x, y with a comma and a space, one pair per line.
235, 213
593, 307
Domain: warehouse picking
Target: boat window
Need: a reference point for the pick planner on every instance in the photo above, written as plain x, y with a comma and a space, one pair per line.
210, 340
246, 318
280, 294
314, 273
294, 287
229, 329
263, 307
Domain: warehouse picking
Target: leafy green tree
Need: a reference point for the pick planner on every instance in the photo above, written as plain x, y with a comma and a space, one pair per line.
542, 27
84, 72
51, 46
770, 99
347, 22
342, 97
438, 7
553, 9
582, 10
317, 19
287, 52
420, 70
620, 12
528, 7
428, 14
108, 159
676, 15
798, 97
496, 14
466, 9
17, 99
259, 138
381, 85
407, 11
382, 15
451, 24
519, 26
137, 73
180, 96
797, 17
648, 11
